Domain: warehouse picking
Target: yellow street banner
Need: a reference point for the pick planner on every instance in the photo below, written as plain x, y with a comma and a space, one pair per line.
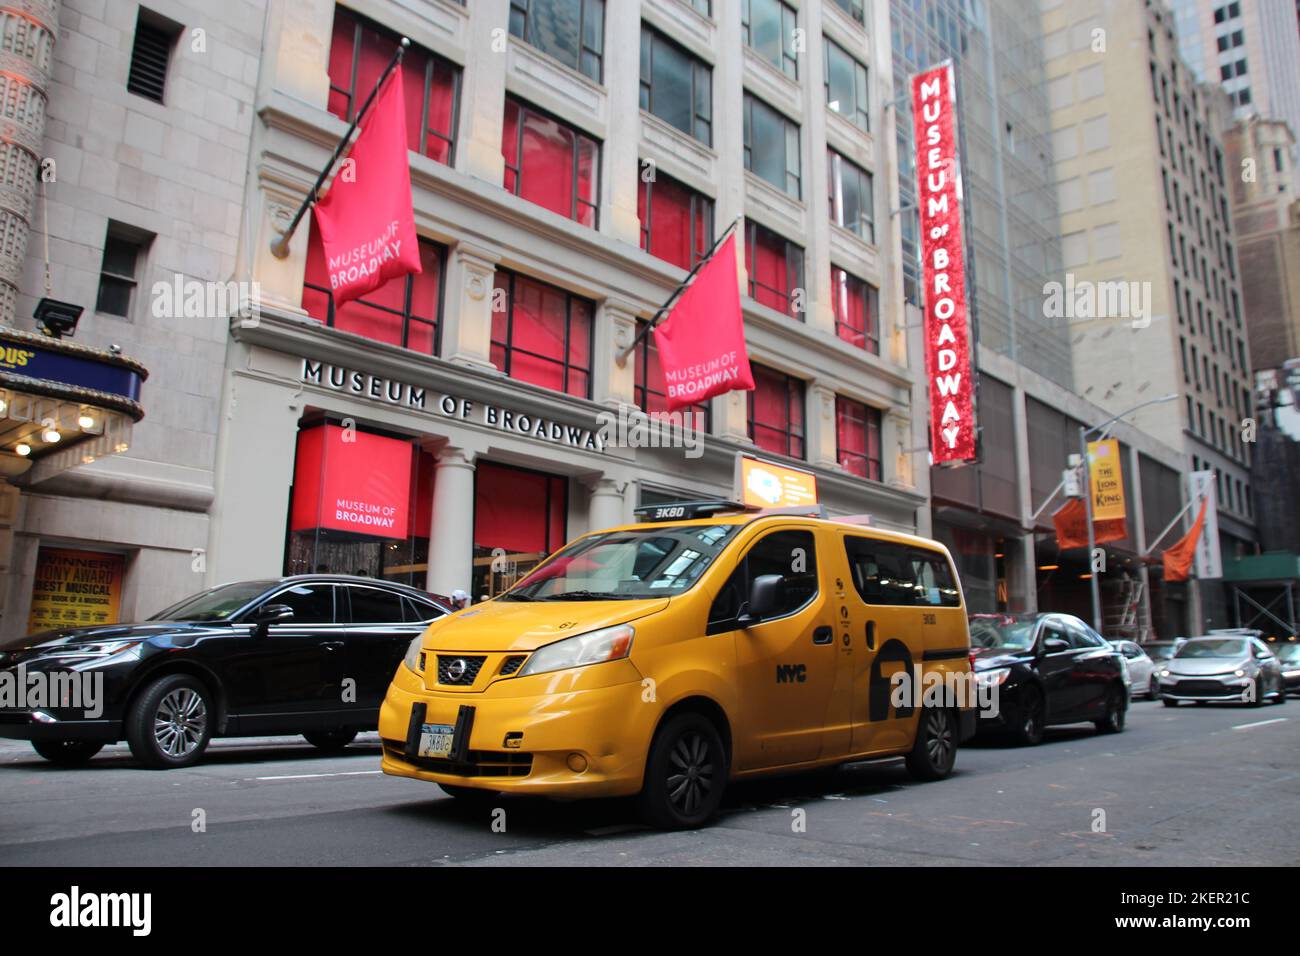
1105, 480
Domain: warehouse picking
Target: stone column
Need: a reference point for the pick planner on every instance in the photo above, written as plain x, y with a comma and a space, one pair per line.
606, 508
820, 438
451, 534
621, 176
27, 32
478, 145
1026, 558
616, 328
467, 332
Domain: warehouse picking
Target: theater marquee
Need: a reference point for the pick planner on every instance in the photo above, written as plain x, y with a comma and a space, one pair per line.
943, 262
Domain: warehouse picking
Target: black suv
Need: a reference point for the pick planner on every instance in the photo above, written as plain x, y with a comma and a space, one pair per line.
310, 655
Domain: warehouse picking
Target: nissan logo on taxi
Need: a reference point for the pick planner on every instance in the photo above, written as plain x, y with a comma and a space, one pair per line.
456, 669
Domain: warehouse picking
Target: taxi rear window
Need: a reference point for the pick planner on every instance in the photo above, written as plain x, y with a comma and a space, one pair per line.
888, 573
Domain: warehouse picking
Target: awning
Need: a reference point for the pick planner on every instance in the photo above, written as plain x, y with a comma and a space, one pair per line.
62, 403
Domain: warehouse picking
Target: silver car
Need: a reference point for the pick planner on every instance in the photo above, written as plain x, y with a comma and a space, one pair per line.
1228, 668
1141, 669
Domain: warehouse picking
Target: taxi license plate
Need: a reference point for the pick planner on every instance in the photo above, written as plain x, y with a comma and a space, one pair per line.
436, 740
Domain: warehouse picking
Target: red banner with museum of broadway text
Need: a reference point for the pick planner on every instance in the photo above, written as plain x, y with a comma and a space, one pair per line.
943, 267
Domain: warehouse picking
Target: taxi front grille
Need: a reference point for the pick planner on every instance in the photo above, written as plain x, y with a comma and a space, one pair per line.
459, 670
478, 763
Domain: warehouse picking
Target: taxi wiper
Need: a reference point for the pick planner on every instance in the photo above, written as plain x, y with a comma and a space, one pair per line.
585, 596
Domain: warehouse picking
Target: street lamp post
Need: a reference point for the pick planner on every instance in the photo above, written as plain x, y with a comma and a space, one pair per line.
1084, 432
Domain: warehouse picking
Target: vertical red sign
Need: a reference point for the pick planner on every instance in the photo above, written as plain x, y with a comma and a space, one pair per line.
943, 266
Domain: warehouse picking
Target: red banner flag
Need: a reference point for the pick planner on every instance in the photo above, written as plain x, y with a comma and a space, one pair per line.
1071, 521
367, 225
1177, 559
943, 262
702, 342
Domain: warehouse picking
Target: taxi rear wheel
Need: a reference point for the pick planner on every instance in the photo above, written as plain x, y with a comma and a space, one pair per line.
935, 749
685, 775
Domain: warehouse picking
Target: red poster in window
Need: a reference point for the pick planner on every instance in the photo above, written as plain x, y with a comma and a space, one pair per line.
347, 480
947, 330
366, 222
702, 342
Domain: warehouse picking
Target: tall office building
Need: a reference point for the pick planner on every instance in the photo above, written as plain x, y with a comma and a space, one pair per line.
995, 515
1146, 223
1250, 47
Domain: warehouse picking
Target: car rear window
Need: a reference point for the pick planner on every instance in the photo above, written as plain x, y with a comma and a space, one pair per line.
885, 572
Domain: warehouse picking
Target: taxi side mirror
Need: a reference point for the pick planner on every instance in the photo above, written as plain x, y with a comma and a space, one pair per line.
766, 597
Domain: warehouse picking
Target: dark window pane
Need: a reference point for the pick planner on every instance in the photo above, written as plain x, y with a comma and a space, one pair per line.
311, 603
375, 606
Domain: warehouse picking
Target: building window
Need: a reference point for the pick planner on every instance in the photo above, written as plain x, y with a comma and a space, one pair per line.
857, 309
846, 85
650, 394
702, 7
854, 8
676, 86
572, 31
151, 52
768, 28
857, 438
772, 146
542, 334
775, 267
402, 312
359, 53
550, 163
849, 189
676, 221
776, 412
520, 517
123, 248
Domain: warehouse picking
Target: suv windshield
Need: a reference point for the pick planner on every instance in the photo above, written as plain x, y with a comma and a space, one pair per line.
1008, 633
1288, 653
625, 565
1214, 647
214, 605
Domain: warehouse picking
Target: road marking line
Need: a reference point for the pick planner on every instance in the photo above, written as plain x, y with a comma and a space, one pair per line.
1261, 723
307, 776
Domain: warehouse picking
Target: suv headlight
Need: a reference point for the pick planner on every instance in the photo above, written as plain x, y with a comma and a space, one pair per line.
412, 659
594, 647
86, 651
993, 676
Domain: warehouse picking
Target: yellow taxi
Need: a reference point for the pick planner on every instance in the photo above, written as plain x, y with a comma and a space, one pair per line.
707, 643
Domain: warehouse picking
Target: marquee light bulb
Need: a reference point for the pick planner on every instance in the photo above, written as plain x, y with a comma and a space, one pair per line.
50, 435
23, 448
86, 421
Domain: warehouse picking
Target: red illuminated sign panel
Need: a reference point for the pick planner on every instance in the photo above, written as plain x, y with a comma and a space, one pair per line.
348, 480
943, 262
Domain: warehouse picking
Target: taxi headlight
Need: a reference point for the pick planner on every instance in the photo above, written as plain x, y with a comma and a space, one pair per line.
594, 647
412, 660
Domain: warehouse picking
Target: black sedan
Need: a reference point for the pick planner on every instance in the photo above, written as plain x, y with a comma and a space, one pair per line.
310, 655
1041, 669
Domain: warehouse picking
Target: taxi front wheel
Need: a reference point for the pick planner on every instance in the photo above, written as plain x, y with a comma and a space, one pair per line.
685, 774
935, 749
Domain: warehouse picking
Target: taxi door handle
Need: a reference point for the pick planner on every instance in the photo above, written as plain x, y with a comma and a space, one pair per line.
871, 635
823, 635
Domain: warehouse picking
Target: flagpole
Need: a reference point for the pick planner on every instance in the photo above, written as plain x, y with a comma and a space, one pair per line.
280, 244
621, 358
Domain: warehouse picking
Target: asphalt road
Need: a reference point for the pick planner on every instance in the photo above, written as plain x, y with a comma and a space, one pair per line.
1193, 786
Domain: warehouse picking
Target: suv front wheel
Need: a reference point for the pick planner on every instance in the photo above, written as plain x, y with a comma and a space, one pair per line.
170, 723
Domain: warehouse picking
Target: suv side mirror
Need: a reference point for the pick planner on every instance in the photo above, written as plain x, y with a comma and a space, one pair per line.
1054, 645
766, 596
268, 614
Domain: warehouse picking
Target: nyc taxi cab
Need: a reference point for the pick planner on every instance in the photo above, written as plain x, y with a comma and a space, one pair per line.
705, 644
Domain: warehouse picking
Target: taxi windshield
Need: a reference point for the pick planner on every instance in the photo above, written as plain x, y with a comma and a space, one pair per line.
626, 565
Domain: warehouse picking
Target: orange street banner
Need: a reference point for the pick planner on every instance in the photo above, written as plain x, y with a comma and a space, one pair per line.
1071, 522
1106, 480
75, 589
1178, 557
764, 484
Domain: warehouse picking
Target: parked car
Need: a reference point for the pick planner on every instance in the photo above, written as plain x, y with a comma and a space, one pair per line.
1288, 655
310, 655
1222, 668
1047, 669
1141, 669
